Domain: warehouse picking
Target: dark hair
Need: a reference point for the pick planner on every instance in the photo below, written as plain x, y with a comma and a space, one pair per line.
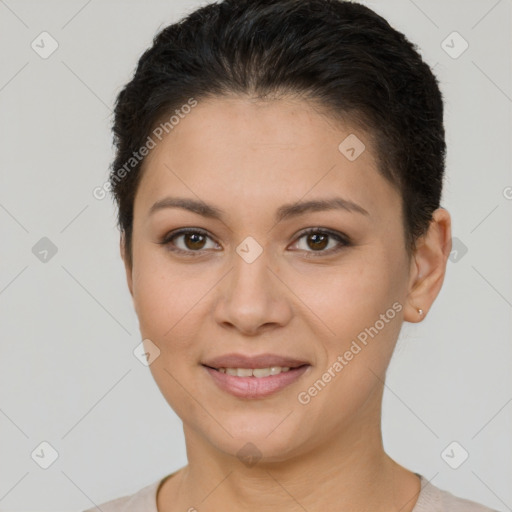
338, 54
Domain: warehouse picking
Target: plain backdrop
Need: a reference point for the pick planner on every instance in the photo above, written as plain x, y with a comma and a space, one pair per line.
68, 376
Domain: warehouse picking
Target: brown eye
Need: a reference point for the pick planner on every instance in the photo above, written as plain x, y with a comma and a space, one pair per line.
317, 241
321, 242
192, 242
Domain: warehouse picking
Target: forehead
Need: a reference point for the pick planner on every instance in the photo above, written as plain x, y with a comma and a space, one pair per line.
247, 152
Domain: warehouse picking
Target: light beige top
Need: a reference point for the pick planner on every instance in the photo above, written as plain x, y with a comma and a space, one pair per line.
430, 499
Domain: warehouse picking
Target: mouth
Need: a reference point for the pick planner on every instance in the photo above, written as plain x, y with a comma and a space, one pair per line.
254, 377
254, 372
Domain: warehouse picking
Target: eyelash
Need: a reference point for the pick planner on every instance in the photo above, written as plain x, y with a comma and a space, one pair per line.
343, 240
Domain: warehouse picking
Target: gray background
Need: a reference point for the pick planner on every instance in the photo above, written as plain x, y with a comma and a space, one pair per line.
67, 372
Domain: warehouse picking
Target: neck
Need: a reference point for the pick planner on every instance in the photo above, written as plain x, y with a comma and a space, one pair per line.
348, 470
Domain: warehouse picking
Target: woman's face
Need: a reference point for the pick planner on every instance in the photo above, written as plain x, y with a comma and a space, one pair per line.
251, 283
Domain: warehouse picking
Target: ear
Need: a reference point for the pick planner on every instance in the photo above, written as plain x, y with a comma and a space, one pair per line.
428, 266
127, 266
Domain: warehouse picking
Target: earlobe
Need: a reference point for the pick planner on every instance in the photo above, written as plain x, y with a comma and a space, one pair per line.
428, 266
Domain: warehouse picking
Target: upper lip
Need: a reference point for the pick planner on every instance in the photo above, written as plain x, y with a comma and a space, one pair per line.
257, 361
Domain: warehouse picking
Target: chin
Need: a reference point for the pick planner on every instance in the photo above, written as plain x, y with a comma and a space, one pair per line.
265, 438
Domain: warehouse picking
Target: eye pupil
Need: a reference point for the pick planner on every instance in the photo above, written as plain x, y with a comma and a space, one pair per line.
197, 239
316, 238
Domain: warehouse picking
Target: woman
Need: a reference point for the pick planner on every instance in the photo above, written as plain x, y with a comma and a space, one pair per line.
278, 175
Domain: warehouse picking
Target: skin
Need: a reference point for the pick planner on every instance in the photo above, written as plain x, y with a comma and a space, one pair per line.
248, 158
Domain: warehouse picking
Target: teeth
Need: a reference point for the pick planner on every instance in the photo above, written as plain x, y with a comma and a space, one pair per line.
256, 372
262, 372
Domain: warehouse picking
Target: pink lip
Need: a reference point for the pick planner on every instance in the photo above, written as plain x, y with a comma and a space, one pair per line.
255, 387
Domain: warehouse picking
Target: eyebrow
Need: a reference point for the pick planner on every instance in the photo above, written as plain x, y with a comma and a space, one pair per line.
284, 212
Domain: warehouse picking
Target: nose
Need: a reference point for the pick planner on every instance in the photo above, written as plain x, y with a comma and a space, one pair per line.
252, 298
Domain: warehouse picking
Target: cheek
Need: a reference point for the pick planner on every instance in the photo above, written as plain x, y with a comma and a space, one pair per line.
156, 303
352, 295
360, 311
159, 292
160, 297
357, 308
167, 304
168, 300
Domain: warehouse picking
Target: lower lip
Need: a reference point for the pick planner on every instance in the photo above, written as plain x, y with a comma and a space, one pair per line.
255, 387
